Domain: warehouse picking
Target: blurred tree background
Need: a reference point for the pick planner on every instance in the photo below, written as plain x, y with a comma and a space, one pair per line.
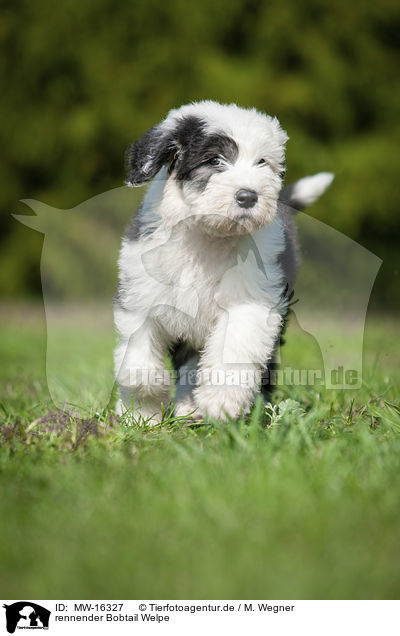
81, 80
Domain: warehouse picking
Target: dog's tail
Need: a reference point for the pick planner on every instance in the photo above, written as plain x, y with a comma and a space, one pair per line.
304, 192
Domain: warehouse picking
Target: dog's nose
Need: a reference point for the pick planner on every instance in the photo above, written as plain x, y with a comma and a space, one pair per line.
246, 198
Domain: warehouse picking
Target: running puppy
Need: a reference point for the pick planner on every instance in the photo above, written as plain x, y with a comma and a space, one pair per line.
207, 265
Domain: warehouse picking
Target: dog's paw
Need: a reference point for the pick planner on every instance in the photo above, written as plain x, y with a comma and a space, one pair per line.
187, 408
222, 403
184, 407
140, 415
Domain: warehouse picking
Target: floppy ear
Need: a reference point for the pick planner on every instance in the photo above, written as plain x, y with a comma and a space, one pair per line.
145, 157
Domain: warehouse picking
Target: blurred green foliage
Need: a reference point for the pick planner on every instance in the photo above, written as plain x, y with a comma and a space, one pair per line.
81, 80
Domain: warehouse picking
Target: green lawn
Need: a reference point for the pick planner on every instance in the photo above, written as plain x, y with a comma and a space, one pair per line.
302, 501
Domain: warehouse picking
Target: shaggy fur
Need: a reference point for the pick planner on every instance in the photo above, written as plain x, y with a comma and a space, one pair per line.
207, 266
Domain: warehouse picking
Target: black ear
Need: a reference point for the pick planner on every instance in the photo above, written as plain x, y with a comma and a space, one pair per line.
145, 157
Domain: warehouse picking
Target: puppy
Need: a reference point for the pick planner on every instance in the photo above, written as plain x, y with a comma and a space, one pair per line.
207, 265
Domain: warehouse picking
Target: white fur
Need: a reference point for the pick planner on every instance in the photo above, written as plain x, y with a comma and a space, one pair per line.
309, 189
187, 277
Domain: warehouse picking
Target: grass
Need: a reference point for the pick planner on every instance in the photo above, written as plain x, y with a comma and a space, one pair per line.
299, 501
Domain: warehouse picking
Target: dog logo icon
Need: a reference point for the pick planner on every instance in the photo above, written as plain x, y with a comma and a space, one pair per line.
26, 615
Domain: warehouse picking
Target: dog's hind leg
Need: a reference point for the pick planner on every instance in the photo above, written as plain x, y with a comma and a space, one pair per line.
269, 375
185, 360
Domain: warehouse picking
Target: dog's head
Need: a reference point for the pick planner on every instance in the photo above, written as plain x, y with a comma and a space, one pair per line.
219, 165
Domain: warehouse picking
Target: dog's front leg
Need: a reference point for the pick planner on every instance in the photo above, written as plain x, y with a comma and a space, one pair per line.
235, 352
139, 366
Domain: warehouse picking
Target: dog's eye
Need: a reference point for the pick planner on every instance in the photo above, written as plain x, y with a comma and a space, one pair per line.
214, 161
261, 162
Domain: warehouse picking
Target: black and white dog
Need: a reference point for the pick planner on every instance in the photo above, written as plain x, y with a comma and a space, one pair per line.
207, 266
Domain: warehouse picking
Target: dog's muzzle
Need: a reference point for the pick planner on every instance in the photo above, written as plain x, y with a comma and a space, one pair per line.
246, 198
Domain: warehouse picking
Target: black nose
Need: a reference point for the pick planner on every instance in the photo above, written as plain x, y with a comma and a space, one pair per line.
246, 198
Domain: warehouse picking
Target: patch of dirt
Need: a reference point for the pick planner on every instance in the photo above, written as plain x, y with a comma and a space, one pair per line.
58, 425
